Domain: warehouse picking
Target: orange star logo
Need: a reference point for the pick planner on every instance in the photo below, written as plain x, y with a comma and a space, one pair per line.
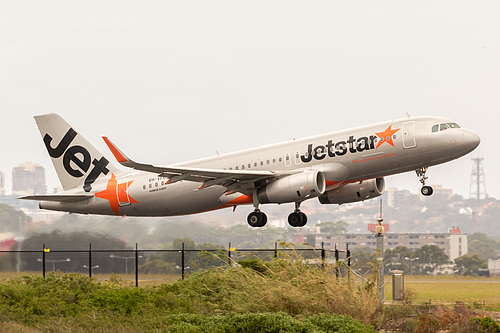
116, 193
386, 136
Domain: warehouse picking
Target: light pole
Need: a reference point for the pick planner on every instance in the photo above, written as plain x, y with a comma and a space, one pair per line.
54, 262
126, 260
93, 267
411, 263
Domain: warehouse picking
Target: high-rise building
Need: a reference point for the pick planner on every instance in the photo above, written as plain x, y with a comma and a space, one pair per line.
28, 179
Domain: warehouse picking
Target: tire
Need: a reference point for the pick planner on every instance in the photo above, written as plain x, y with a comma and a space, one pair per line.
304, 219
257, 219
426, 191
296, 219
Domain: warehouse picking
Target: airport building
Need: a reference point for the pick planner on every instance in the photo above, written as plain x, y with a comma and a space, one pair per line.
494, 267
453, 243
28, 179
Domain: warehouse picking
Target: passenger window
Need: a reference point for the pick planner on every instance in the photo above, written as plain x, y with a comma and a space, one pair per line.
249, 165
255, 164
435, 128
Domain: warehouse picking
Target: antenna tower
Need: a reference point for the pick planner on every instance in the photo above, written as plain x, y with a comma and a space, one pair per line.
477, 182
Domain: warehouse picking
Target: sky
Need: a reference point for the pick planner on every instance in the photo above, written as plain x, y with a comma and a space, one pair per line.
170, 81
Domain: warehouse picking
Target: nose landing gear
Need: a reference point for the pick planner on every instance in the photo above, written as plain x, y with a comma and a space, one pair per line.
425, 190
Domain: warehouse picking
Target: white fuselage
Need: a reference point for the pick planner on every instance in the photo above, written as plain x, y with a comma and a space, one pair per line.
343, 157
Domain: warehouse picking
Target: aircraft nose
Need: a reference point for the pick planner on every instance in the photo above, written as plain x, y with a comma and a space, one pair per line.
471, 139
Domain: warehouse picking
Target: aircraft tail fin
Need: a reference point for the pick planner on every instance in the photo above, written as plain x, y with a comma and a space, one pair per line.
77, 162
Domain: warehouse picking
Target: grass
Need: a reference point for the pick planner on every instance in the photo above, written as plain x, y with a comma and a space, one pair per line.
448, 289
282, 295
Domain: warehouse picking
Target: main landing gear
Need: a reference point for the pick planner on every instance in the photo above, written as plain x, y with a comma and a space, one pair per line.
258, 219
297, 218
425, 190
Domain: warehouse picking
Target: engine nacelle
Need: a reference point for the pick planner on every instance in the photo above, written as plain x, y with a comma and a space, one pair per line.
358, 191
293, 188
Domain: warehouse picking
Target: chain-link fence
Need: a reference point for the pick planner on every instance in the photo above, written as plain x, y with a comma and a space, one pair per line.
159, 265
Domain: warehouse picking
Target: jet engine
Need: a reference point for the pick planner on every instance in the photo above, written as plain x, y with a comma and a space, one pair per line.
293, 188
358, 191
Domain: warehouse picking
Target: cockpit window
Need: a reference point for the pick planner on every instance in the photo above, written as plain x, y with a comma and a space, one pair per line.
443, 127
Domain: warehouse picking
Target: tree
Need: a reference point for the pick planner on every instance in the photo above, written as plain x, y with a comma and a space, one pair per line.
362, 258
469, 265
484, 247
58, 241
395, 259
333, 227
430, 258
12, 220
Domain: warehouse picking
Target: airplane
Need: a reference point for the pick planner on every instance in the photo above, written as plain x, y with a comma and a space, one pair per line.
337, 168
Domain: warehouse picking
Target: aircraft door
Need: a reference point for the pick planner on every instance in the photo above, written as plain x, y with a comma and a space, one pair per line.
409, 135
297, 158
122, 192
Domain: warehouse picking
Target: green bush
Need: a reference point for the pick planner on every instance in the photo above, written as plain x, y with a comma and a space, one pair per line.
289, 297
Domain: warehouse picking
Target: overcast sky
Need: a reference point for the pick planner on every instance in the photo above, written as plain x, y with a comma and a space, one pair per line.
171, 81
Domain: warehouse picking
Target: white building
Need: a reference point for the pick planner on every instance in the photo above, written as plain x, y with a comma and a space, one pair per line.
494, 267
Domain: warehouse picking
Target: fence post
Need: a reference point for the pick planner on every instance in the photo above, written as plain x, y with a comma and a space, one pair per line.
336, 261
229, 254
275, 249
348, 254
43, 261
90, 260
182, 260
323, 255
136, 266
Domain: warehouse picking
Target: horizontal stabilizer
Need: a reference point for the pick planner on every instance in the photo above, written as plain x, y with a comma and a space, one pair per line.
58, 197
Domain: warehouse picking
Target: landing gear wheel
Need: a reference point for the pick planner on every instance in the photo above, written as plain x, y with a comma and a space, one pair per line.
426, 191
297, 219
304, 219
257, 219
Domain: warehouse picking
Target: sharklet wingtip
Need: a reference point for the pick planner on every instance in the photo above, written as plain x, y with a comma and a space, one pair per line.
120, 157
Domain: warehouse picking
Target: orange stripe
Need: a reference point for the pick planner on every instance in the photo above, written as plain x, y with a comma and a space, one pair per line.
241, 200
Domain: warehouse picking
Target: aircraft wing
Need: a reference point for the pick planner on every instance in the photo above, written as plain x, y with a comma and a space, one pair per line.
58, 197
235, 180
